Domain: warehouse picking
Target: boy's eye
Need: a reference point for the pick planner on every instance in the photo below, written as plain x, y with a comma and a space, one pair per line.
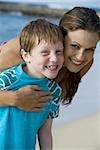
45, 53
59, 52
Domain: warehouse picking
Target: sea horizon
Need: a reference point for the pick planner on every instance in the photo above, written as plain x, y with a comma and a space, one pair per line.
60, 4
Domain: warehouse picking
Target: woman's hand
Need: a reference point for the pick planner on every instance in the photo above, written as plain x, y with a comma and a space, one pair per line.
31, 98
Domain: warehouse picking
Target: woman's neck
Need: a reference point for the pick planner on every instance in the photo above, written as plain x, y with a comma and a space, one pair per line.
62, 73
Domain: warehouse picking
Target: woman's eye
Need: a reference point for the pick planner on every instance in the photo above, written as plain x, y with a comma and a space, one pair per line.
74, 46
90, 50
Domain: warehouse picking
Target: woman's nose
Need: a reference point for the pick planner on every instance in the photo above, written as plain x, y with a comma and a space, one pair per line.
80, 55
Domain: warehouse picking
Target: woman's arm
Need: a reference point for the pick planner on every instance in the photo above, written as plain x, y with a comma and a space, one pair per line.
10, 54
45, 136
29, 98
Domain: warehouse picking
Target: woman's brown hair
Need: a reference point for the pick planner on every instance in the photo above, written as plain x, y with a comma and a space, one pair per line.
77, 18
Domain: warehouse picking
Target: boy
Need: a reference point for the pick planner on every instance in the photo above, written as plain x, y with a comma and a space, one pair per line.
41, 47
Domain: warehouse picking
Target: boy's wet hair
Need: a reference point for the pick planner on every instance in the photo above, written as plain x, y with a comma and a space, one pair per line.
38, 30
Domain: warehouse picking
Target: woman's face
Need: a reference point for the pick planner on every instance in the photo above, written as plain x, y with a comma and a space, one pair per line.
79, 49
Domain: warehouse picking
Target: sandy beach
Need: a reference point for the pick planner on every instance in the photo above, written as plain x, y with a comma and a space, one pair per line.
83, 134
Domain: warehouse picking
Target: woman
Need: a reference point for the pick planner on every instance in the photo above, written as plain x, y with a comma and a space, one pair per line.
81, 29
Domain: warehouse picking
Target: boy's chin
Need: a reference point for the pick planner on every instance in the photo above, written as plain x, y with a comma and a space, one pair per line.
51, 76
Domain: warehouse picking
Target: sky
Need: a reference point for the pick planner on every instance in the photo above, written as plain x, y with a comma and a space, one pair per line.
59, 3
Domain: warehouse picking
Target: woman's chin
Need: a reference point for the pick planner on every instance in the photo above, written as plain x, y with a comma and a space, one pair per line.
73, 69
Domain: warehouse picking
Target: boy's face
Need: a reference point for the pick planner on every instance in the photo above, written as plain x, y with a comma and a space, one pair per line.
45, 60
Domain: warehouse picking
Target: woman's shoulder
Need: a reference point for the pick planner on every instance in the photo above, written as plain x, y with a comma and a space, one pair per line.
1, 44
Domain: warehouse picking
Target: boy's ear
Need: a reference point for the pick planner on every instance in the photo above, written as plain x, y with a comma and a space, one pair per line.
24, 55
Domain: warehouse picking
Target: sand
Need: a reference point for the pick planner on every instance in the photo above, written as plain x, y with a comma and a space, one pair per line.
83, 134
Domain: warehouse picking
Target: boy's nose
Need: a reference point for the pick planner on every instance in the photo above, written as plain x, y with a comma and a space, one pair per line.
53, 58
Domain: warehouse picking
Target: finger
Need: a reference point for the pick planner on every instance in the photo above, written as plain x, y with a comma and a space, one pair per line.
40, 91
36, 87
42, 104
24, 109
38, 109
44, 93
45, 98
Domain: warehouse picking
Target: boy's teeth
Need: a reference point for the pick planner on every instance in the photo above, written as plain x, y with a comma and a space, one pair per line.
52, 67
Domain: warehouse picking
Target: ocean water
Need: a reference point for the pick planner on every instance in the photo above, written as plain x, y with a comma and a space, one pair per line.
62, 3
87, 100
12, 23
